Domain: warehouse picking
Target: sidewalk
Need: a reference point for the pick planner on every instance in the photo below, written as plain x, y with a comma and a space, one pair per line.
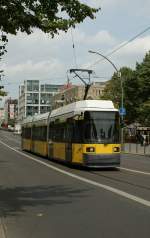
137, 149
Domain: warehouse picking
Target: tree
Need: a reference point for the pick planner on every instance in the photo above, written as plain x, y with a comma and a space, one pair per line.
50, 16
143, 76
130, 89
2, 93
111, 91
136, 86
3, 42
131, 94
144, 113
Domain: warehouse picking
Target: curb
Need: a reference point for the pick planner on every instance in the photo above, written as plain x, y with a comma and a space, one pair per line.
2, 230
146, 155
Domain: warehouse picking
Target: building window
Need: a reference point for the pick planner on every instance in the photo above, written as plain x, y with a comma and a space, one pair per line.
33, 85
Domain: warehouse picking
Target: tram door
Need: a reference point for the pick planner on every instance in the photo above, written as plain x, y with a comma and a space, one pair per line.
69, 132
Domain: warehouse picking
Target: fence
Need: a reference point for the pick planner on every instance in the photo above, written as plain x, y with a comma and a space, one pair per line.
137, 140
136, 148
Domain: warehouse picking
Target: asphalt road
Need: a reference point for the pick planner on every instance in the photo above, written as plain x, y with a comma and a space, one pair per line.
43, 199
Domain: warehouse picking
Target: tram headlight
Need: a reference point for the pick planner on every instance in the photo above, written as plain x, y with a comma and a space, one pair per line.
116, 149
90, 149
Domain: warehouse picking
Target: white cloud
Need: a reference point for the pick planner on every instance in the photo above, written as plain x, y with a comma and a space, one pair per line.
37, 56
45, 71
42, 69
101, 37
127, 6
138, 46
50, 58
126, 56
102, 3
133, 52
40, 47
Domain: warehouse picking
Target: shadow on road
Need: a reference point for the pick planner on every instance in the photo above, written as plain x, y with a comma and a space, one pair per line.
14, 201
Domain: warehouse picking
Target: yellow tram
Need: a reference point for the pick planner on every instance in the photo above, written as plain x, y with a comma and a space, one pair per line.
84, 132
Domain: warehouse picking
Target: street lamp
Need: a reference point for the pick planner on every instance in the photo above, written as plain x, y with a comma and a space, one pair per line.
121, 84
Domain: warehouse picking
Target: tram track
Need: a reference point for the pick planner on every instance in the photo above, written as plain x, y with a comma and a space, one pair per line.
122, 181
138, 198
129, 180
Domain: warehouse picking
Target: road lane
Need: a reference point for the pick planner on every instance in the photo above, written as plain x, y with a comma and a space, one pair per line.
132, 162
128, 181
136, 162
122, 180
92, 182
39, 202
134, 171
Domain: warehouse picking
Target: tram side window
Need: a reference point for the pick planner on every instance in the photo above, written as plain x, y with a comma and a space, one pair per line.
51, 129
22, 132
26, 132
69, 132
43, 133
61, 132
39, 133
78, 131
53, 132
57, 132
34, 133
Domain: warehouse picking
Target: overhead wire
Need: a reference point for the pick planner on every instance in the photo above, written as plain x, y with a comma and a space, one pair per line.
121, 46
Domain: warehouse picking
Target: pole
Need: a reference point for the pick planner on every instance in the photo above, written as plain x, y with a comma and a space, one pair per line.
122, 117
121, 84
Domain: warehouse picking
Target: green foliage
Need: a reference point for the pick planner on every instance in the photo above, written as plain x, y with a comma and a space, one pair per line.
144, 113
136, 90
2, 93
113, 91
50, 16
143, 77
3, 43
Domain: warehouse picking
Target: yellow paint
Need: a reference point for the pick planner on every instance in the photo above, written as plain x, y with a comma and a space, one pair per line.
101, 148
59, 151
26, 144
77, 156
40, 147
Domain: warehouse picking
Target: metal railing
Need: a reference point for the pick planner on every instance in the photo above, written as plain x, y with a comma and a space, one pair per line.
136, 148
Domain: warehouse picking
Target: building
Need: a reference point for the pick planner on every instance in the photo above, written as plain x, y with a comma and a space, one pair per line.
2, 116
10, 111
35, 98
76, 92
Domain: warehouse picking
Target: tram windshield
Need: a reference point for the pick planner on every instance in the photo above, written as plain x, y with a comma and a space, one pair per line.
101, 127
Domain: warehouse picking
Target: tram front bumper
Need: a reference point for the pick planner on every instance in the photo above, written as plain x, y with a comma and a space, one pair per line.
101, 160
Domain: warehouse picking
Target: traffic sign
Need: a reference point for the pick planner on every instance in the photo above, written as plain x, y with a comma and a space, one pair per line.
122, 111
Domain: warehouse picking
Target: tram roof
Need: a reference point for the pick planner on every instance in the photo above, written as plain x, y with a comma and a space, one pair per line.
39, 117
84, 105
27, 120
73, 109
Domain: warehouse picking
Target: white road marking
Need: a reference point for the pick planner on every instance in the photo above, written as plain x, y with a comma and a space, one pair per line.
106, 187
2, 229
134, 171
39, 214
11, 139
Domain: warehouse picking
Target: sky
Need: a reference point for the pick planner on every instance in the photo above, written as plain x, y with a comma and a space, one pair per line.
38, 56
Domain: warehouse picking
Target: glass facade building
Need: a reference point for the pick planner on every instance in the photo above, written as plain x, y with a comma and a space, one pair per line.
35, 98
